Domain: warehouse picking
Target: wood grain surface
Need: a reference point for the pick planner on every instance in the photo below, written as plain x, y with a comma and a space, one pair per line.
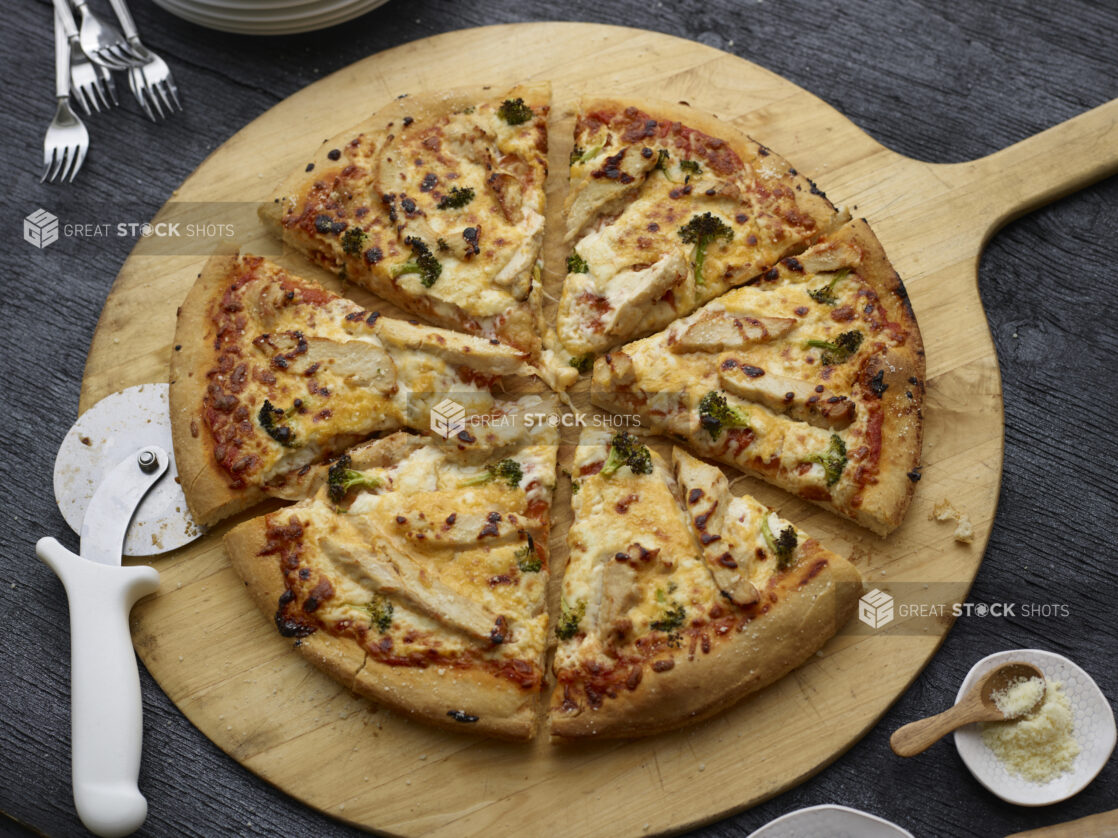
942, 83
223, 664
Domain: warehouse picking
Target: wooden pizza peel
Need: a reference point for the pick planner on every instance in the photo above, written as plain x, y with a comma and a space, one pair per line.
235, 678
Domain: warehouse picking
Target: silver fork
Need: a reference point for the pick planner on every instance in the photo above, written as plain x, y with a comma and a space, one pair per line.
92, 86
66, 141
151, 82
102, 43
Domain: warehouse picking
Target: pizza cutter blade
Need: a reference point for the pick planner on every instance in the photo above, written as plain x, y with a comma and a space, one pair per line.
115, 427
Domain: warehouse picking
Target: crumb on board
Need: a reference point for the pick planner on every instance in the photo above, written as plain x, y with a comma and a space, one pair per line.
944, 510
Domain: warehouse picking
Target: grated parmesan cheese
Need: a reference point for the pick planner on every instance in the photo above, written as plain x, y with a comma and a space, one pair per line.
1041, 746
1019, 696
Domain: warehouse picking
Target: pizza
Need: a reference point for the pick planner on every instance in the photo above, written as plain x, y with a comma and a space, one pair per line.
668, 209
272, 373
678, 598
416, 571
810, 377
436, 204
716, 295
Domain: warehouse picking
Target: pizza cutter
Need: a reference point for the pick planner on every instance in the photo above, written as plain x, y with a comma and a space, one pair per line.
116, 484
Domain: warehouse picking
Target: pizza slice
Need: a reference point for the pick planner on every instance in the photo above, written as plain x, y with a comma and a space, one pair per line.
668, 209
810, 377
416, 572
272, 373
679, 599
436, 204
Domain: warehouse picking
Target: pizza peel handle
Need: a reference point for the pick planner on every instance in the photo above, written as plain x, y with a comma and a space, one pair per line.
106, 716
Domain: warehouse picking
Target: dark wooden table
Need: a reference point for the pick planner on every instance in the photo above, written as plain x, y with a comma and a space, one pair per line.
941, 80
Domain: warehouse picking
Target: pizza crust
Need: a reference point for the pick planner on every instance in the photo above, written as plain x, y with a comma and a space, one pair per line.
205, 483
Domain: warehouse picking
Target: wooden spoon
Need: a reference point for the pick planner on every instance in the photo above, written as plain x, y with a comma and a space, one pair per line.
976, 706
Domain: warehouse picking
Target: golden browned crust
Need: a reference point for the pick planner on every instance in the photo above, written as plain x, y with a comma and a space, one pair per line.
902, 369
517, 326
503, 709
205, 483
806, 613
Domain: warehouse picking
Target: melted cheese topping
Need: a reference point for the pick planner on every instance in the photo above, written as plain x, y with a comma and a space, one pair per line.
631, 203
407, 182
639, 518
423, 511
330, 380
787, 376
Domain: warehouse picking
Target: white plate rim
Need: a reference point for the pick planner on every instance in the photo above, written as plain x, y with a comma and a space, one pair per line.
1097, 694
265, 28
830, 807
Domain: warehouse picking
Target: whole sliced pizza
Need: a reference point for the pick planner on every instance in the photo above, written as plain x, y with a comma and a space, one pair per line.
723, 305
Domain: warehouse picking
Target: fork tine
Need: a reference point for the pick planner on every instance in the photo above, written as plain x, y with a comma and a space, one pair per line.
165, 95
109, 85
48, 162
78, 94
105, 57
174, 92
152, 96
99, 83
59, 163
67, 162
77, 159
135, 77
125, 55
98, 94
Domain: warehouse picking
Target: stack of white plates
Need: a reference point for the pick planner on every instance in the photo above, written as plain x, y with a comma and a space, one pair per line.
268, 17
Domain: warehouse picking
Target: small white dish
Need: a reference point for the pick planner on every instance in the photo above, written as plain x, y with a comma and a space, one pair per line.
830, 822
1094, 730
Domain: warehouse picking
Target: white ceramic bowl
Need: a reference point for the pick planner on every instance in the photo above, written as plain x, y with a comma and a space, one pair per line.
1094, 730
830, 822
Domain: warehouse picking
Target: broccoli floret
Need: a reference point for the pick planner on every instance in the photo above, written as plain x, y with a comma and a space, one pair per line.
626, 450
671, 620
527, 560
569, 618
422, 263
700, 231
341, 478
576, 264
833, 459
662, 158
507, 471
582, 155
353, 241
380, 612
691, 167
825, 295
456, 198
838, 352
782, 546
515, 112
267, 417
583, 363
716, 415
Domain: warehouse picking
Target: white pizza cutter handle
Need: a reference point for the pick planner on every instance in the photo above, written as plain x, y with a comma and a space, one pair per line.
105, 700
